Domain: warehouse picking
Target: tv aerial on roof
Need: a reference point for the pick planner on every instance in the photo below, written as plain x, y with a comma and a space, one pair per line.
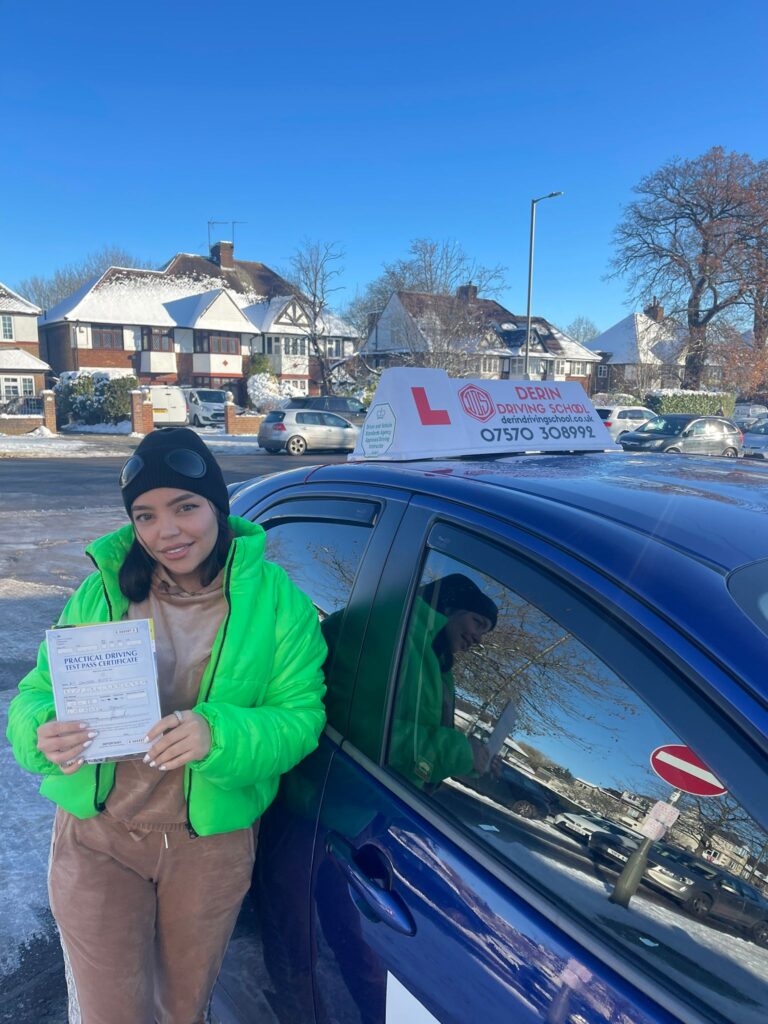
231, 223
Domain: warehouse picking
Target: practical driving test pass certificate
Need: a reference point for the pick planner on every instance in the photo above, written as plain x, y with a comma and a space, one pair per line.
105, 676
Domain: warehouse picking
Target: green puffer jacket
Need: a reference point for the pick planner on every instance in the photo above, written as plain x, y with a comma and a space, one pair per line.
261, 693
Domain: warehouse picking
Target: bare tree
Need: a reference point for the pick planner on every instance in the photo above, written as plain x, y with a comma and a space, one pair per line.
756, 261
430, 266
47, 291
684, 240
582, 329
315, 267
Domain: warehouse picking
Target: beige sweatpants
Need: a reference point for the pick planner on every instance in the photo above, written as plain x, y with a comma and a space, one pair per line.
145, 918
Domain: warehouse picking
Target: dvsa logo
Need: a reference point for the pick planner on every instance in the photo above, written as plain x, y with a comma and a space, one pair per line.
476, 402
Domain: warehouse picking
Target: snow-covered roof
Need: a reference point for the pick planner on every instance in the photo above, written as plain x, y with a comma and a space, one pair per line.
20, 359
639, 339
263, 314
146, 298
12, 302
565, 347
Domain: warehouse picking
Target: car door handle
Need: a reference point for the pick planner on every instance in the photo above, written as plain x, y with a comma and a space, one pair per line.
386, 906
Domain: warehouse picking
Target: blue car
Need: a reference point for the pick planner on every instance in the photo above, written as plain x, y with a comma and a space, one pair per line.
549, 620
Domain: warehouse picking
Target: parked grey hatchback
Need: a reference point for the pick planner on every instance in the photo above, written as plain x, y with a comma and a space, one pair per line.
686, 433
297, 431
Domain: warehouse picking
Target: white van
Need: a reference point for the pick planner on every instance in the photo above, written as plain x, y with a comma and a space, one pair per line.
168, 404
205, 406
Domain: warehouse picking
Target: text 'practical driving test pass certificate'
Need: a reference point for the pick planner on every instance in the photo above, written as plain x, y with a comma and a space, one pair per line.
105, 676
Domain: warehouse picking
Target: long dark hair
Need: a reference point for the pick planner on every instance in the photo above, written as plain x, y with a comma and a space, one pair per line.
135, 577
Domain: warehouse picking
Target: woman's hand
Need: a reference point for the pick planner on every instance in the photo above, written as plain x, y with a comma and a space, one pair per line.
63, 744
181, 740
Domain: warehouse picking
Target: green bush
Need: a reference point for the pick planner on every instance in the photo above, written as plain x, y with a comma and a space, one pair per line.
116, 399
95, 398
702, 403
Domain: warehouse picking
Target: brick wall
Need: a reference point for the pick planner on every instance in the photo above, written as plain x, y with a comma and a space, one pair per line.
184, 367
28, 346
107, 357
19, 424
55, 348
246, 424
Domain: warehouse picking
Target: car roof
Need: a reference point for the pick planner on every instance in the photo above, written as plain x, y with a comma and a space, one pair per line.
711, 510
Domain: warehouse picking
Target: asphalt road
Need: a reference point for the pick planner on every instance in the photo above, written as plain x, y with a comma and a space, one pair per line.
79, 483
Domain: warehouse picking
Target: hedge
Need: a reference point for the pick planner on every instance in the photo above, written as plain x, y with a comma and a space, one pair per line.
702, 403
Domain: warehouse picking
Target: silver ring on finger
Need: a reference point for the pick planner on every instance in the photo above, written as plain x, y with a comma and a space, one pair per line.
179, 715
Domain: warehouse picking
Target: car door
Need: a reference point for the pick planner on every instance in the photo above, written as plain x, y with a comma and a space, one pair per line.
339, 434
730, 900
432, 901
313, 429
695, 439
332, 546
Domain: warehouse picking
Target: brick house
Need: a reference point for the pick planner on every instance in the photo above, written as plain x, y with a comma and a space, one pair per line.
472, 335
197, 321
22, 372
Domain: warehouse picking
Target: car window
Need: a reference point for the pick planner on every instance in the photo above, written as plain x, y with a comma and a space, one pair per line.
275, 417
625, 414
334, 421
698, 428
321, 555
310, 419
604, 414
504, 718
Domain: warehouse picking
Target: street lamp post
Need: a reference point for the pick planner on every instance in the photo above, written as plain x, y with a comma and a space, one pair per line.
551, 195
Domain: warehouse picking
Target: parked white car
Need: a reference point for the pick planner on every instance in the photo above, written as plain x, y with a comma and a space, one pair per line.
620, 419
584, 825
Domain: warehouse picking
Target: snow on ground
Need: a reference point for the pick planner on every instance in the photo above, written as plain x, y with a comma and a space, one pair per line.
25, 446
66, 445
41, 562
124, 427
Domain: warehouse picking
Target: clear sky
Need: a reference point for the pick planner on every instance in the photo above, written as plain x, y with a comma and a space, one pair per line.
365, 123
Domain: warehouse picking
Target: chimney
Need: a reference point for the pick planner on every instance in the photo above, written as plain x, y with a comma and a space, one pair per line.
223, 253
467, 292
655, 311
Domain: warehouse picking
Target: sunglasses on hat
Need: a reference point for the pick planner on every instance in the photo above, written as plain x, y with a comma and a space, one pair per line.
180, 460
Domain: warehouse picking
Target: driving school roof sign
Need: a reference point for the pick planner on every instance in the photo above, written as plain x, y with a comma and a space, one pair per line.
423, 414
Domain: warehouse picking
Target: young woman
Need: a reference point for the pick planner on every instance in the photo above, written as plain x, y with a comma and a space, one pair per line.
151, 859
450, 616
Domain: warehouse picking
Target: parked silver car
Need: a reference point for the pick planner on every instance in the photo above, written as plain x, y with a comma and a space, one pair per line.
618, 419
297, 430
756, 440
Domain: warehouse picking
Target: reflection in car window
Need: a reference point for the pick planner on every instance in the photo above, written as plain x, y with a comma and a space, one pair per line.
567, 742
321, 557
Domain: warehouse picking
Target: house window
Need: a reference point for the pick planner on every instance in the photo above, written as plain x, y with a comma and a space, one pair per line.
602, 370
577, 369
561, 367
516, 367
219, 342
156, 339
490, 364
106, 336
7, 327
27, 386
273, 346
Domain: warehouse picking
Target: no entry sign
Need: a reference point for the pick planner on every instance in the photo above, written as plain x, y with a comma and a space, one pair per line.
681, 768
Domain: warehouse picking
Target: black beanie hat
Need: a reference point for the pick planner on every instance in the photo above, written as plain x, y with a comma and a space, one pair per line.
458, 592
155, 466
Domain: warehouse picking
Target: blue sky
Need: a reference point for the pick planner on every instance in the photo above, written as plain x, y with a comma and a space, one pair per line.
369, 124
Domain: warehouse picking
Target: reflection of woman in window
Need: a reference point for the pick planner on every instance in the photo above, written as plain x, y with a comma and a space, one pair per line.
450, 616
